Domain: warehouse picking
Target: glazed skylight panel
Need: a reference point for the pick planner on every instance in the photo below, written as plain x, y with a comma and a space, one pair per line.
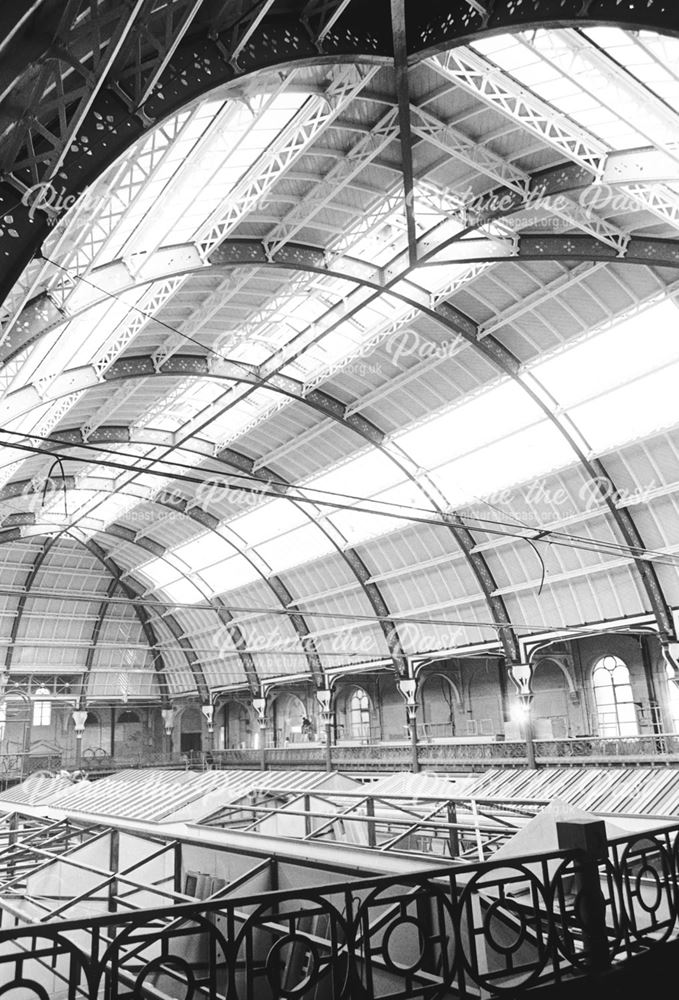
629, 394
82, 338
611, 357
555, 87
631, 411
615, 95
499, 410
204, 551
148, 197
358, 526
652, 59
163, 170
268, 520
281, 534
232, 573
183, 592
371, 476
237, 139
209, 560
168, 577
297, 546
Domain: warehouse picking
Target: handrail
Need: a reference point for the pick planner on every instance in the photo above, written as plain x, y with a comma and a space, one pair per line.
498, 926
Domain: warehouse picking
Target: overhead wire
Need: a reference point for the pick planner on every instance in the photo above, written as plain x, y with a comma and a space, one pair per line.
256, 610
272, 488
547, 536
636, 553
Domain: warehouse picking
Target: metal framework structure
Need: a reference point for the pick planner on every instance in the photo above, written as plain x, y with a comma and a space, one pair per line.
514, 923
458, 827
264, 244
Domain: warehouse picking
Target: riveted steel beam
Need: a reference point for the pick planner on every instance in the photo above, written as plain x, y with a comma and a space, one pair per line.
204, 60
133, 591
398, 27
236, 460
183, 366
21, 604
440, 24
389, 629
634, 168
92, 648
118, 434
295, 257
127, 588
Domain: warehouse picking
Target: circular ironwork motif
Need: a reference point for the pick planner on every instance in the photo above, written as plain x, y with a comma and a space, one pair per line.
167, 964
312, 970
647, 857
504, 908
399, 935
325, 957
421, 928
486, 892
649, 873
570, 911
62, 949
20, 985
136, 936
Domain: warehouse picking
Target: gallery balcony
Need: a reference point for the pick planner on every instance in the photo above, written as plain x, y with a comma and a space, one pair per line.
435, 754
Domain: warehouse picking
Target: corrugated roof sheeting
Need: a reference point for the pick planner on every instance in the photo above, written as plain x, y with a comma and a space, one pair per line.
615, 594
223, 669
278, 448
155, 796
275, 645
319, 577
646, 791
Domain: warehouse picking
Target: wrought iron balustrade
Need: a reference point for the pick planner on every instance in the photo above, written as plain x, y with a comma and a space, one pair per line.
499, 927
646, 746
378, 756
397, 755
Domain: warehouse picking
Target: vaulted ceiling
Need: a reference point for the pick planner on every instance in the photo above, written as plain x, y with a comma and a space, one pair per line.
334, 337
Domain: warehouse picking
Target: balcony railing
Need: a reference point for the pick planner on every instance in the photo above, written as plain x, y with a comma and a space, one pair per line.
444, 754
492, 929
434, 755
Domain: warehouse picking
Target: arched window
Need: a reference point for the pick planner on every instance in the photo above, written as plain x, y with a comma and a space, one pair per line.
359, 715
42, 710
615, 706
127, 715
42, 713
